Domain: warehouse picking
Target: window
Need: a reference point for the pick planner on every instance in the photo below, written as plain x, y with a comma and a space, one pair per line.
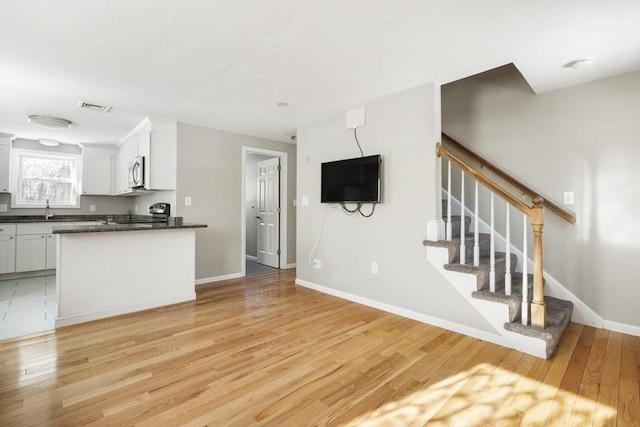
42, 176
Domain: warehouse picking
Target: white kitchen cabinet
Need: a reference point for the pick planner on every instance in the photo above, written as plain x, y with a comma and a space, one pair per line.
31, 252
7, 248
52, 251
5, 161
98, 166
36, 246
157, 143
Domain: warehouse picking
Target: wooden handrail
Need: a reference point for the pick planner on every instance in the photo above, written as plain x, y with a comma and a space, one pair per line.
513, 201
567, 216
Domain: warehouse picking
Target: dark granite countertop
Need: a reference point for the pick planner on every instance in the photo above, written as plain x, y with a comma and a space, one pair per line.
70, 218
68, 229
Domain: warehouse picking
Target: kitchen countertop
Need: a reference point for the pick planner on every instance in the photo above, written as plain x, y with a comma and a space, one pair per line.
71, 218
101, 228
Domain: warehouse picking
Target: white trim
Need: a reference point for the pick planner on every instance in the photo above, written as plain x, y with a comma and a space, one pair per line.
124, 309
289, 266
251, 257
420, 317
623, 328
582, 313
219, 278
284, 202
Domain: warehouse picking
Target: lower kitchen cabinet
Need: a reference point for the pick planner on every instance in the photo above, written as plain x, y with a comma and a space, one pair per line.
7, 254
52, 250
31, 252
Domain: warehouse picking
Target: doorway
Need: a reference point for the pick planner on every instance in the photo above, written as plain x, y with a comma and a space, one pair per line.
255, 223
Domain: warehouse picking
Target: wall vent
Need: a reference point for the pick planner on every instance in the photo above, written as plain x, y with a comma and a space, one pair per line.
90, 106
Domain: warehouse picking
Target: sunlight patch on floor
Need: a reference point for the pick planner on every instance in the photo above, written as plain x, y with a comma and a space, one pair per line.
487, 395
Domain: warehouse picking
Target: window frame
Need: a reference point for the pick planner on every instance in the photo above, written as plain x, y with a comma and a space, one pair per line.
16, 178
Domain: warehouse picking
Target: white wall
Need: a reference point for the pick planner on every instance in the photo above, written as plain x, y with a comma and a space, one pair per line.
210, 172
403, 128
251, 201
583, 139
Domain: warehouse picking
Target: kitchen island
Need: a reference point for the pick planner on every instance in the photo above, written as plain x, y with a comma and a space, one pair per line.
111, 269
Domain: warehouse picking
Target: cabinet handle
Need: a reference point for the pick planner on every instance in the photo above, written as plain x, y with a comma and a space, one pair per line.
42, 237
11, 238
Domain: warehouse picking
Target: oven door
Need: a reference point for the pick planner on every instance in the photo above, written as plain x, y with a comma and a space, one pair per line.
136, 172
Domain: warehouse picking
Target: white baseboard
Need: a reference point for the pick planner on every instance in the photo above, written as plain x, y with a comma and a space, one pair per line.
218, 278
95, 315
420, 317
251, 258
289, 266
623, 328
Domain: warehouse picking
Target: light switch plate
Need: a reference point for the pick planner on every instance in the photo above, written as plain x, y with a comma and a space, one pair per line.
305, 200
187, 201
3, 207
567, 198
92, 208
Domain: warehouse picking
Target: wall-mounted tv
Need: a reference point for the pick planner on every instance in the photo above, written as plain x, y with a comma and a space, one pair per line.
351, 180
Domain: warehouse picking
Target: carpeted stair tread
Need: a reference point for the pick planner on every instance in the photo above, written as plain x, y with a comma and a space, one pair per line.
456, 225
482, 271
453, 246
514, 301
558, 316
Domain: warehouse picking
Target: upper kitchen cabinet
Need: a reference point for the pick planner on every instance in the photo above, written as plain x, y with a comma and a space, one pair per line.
98, 167
5, 161
157, 143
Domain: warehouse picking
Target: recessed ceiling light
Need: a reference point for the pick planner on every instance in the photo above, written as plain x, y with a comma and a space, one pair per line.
49, 142
283, 104
50, 122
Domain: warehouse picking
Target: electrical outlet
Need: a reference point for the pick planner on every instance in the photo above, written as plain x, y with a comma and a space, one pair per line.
92, 208
305, 200
374, 267
3, 207
317, 263
187, 201
135, 208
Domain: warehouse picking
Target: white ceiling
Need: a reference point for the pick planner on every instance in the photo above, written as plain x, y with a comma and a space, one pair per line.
227, 64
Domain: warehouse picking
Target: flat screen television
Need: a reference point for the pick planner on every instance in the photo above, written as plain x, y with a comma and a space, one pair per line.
351, 180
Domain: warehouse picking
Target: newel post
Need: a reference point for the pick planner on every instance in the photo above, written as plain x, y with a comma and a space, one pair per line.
538, 309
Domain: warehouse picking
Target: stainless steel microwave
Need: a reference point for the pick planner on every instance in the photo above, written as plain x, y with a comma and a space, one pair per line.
136, 172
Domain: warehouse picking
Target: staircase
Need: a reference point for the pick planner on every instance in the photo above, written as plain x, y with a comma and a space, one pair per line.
497, 283
504, 312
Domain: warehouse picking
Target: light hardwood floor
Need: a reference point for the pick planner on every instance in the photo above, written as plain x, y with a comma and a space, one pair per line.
263, 351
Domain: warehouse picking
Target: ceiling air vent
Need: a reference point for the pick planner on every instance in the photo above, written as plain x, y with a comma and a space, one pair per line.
90, 106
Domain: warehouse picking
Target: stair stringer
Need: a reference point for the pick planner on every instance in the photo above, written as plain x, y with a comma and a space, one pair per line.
495, 313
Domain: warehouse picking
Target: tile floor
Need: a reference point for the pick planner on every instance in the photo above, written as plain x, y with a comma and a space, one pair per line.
27, 305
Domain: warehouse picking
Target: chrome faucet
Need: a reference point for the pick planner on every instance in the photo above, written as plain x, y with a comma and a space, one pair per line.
47, 211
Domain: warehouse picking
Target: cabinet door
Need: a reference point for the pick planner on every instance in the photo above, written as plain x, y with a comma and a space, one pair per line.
31, 252
4, 168
126, 153
7, 254
52, 251
97, 173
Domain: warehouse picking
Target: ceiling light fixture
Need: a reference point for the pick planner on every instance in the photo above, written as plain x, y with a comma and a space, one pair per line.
50, 122
49, 142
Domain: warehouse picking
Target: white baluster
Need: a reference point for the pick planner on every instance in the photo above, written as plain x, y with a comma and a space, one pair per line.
507, 274
492, 254
463, 248
476, 236
449, 225
525, 275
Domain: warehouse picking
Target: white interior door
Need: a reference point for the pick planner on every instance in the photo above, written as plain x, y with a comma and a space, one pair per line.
268, 216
